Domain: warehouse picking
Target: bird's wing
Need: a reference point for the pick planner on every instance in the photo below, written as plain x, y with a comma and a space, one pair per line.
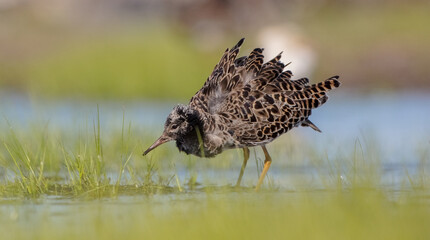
227, 75
259, 101
268, 103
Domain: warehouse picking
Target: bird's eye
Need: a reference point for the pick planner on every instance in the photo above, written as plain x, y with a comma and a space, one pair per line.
174, 126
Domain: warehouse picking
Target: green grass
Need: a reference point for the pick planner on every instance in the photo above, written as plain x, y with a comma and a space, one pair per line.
94, 183
150, 64
44, 163
376, 46
97, 185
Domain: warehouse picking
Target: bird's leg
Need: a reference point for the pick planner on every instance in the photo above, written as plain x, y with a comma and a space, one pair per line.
266, 167
245, 160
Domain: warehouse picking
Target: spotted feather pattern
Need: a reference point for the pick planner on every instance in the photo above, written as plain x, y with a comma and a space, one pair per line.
251, 103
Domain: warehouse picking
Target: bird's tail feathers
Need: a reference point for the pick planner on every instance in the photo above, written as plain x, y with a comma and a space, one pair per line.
319, 91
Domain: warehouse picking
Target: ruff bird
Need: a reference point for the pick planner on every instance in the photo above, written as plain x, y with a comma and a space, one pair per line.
244, 103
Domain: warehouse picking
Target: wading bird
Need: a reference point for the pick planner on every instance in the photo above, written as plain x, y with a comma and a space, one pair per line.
244, 103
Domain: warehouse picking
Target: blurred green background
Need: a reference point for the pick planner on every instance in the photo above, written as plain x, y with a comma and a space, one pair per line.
149, 49
72, 169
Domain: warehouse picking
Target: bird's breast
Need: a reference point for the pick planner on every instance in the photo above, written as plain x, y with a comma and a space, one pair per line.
190, 144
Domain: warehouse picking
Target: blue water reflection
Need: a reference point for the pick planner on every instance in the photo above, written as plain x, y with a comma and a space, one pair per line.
395, 124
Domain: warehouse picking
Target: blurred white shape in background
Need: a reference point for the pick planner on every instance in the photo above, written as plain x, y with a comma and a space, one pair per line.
294, 44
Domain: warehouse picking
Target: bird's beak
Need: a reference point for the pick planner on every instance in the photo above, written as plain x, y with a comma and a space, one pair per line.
160, 140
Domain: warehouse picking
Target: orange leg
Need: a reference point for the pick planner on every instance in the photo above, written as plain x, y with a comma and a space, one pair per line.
245, 160
266, 167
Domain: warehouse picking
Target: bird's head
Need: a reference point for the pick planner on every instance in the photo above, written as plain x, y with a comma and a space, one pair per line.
181, 120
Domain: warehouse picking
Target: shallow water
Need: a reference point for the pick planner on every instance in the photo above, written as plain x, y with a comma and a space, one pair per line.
397, 122
394, 125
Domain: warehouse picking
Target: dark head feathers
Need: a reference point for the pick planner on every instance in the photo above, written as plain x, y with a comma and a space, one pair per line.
186, 113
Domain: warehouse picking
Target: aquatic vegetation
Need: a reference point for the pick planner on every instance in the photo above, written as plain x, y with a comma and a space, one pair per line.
91, 181
96, 183
41, 163
365, 214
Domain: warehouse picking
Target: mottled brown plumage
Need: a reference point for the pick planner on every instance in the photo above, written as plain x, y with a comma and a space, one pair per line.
244, 103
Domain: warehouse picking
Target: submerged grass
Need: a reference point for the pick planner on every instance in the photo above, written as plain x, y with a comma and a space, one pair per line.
29, 167
99, 186
243, 215
41, 164
45, 163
